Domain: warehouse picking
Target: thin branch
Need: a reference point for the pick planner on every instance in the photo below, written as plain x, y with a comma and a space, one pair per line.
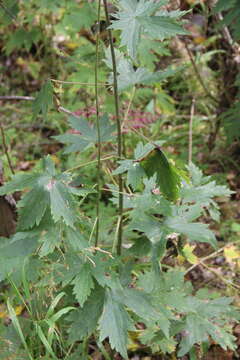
31, 98
129, 106
198, 75
89, 163
13, 97
190, 144
201, 261
116, 99
77, 83
98, 127
5, 149
225, 31
225, 281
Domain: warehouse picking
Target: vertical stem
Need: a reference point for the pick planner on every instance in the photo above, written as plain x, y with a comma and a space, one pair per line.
190, 135
98, 126
5, 149
198, 75
116, 99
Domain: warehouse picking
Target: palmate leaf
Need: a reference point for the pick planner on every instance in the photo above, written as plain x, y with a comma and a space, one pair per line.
88, 134
50, 238
194, 231
84, 320
137, 17
168, 178
13, 252
114, 324
43, 100
223, 5
83, 284
128, 76
49, 192
197, 329
32, 207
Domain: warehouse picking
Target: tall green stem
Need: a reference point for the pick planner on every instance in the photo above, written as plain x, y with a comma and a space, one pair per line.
116, 100
98, 126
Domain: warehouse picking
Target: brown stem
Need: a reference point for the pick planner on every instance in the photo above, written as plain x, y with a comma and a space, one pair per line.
5, 149
98, 128
31, 98
190, 145
118, 245
198, 75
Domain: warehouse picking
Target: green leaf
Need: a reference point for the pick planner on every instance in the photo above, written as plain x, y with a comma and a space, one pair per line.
135, 175
149, 50
223, 5
87, 134
141, 303
19, 182
50, 239
128, 76
194, 231
32, 207
22, 39
84, 320
114, 324
14, 250
75, 141
75, 239
83, 284
49, 191
150, 226
77, 17
136, 18
61, 202
43, 100
8, 11
197, 330
168, 179
161, 27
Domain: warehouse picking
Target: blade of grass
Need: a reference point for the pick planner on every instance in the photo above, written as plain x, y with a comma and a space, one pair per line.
44, 341
17, 327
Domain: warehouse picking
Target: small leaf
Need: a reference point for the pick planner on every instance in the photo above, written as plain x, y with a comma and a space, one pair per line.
43, 100
84, 320
114, 324
61, 202
189, 255
194, 231
19, 182
168, 179
83, 284
32, 207
87, 134
137, 17
231, 253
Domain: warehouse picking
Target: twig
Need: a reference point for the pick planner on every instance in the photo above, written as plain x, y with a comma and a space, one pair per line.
225, 281
31, 98
225, 31
129, 106
116, 99
77, 83
89, 163
201, 261
191, 132
5, 149
212, 255
198, 75
98, 127
13, 97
